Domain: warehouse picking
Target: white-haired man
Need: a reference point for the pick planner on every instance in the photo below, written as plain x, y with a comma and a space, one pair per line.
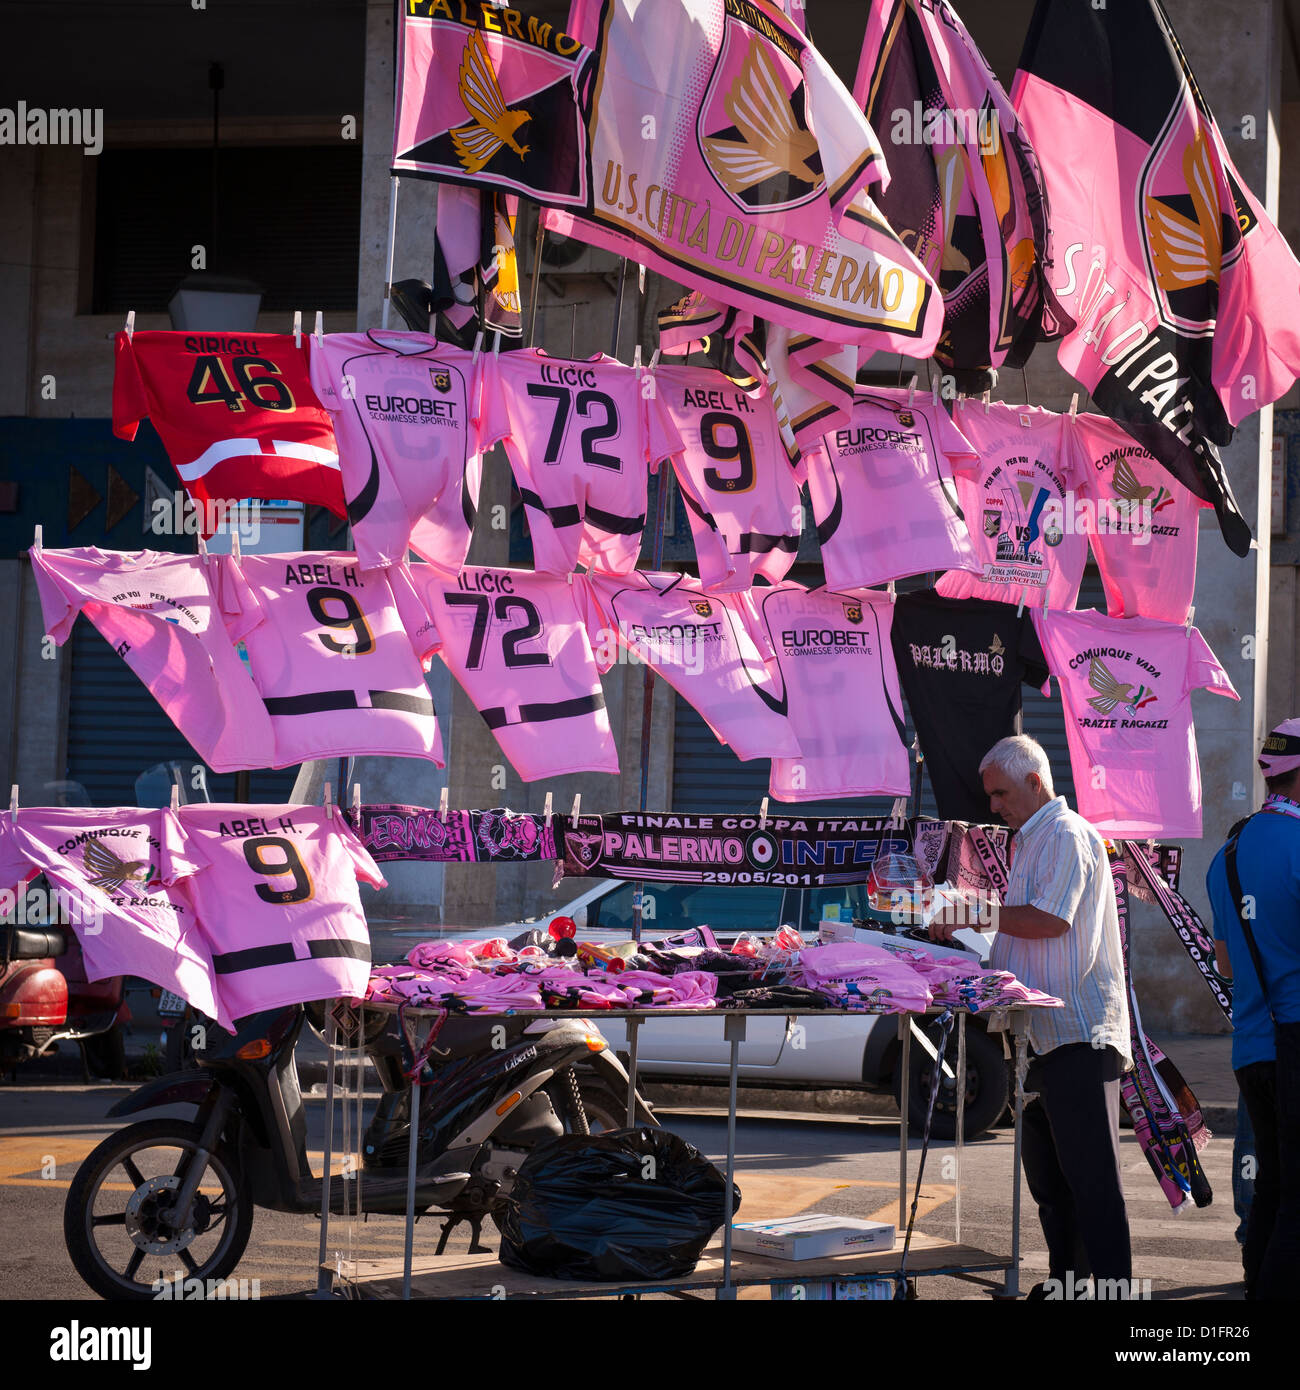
1058, 930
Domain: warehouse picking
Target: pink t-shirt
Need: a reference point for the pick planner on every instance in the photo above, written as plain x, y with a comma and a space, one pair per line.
518, 645
883, 494
174, 622
275, 890
116, 866
332, 658
706, 646
1142, 524
835, 665
1018, 508
580, 436
1126, 684
405, 409
740, 487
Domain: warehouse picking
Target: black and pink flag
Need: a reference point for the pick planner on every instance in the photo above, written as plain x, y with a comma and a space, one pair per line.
1183, 291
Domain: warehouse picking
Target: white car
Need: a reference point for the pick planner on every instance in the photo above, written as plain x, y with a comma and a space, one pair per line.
861, 1052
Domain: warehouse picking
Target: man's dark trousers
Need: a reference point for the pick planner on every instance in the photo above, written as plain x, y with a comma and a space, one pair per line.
1070, 1147
1271, 1253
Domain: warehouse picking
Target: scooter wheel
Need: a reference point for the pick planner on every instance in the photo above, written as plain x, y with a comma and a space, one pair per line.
119, 1240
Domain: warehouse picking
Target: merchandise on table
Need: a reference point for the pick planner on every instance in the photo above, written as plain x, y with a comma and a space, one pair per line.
272, 440
739, 483
274, 890
1142, 524
174, 620
961, 663
883, 494
1126, 686
1017, 502
333, 659
115, 871
581, 437
405, 410
836, 669
517, 643
708, 647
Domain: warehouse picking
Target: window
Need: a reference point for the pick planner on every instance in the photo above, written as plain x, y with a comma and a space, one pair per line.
288, 218
673, 907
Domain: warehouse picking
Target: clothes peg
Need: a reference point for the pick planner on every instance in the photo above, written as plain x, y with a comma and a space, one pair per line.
577, 803
988, 395
176, 797
356, 800
893, 593
1191, 613
546, 811
911, 389
1020, 607
478, 345
328, 801
1074, 404
636, 358
297, 328
899, 813
130, 325
13, 804
442, 805
935, 392
236, 553
38, 534
496, 345
654, 358
762, 815
203, 552
319, 331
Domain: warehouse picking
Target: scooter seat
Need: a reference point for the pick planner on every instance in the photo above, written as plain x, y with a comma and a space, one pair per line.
32, 943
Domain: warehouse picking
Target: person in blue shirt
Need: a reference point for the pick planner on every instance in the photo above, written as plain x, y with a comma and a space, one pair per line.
1266, 1007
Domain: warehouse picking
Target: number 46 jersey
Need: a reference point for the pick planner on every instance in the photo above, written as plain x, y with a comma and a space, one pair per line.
332, 660
580, 436
517, 643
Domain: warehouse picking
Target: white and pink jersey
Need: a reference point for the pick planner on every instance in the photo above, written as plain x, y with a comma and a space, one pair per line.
1142, 523
835, 663
883, 494
174, 623
1016, 498
1127, 684
405, 410
580, 436
275, 891
706, 646
518, 645
740, 487
331, 657
113, 870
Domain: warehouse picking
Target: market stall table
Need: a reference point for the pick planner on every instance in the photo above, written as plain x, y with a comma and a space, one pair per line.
467, 1276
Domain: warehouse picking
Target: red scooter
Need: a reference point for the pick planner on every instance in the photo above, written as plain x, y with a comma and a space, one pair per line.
45, 999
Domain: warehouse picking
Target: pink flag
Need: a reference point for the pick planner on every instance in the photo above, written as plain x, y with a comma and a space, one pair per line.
1184, 292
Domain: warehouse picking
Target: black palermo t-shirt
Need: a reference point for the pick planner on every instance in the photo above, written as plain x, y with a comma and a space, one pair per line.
961, 663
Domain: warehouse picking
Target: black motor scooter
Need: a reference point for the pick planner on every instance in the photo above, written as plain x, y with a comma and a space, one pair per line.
167, 1190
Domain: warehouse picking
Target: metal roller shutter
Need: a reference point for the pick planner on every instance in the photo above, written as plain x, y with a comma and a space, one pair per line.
116, 730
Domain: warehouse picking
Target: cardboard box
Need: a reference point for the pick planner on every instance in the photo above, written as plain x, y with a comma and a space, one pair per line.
813, 1236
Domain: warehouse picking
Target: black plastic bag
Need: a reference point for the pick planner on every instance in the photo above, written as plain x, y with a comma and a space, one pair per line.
628, 1204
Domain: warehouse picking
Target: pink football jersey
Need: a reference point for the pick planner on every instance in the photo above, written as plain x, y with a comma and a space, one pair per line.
580, 436
1142, 524
275, 890
173, 622
518, 645
835, 662
405, 410
115, 868
737, 480
332, 660
883, 495
1018, 506
702, 644
1126, 684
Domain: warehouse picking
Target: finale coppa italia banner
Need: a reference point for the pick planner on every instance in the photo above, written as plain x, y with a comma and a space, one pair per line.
726, 154
731, 848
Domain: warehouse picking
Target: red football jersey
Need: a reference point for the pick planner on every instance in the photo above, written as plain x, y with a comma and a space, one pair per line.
236, 413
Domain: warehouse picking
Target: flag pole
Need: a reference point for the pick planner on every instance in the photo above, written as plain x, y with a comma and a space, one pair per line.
392, 247
618, 312
537, 270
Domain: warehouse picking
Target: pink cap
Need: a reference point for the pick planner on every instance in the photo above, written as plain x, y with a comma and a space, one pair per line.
1281, 751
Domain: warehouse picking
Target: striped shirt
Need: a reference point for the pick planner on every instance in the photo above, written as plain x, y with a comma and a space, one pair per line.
1058, 865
